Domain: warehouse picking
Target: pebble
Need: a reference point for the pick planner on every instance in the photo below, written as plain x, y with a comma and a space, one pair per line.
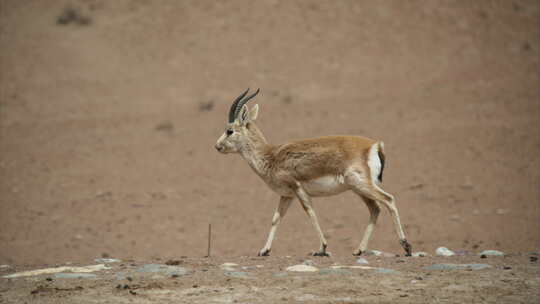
309, 262
457, 266
420, 254
386, 271
237, 274
335, 271
380, 253
302, 268
74, 275
107, 261
229, 265
362, 261
4, 266
163, 269
443, 251
492, 252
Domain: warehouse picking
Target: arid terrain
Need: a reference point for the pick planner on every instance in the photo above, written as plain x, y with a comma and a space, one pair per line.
109, 112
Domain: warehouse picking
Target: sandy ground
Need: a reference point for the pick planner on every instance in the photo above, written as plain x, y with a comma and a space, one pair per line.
508, 279
109, 111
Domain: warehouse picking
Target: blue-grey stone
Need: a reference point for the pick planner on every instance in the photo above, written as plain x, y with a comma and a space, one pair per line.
237, 274
68, 275
386, 271
457, 266
163, 269
334, 271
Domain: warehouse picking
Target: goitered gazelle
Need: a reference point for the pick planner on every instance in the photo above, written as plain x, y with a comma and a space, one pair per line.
308, 168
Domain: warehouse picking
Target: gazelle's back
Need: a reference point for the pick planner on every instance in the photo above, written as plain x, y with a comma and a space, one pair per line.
329, 155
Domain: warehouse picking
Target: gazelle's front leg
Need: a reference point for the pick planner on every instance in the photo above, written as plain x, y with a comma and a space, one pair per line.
305, 200
281, 210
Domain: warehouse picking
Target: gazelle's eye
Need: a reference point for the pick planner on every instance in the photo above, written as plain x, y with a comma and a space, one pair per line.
229, 132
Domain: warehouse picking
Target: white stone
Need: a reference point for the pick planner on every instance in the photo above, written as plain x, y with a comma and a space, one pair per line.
492, 252
362, 261
443, 251
302, 268
228, 265
420, 254
107, 261
90, 268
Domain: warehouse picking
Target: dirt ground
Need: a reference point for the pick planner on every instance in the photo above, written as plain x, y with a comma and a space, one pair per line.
109, 111
509, 279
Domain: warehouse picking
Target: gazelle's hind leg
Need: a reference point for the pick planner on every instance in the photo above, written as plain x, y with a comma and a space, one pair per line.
365, 186
374, 211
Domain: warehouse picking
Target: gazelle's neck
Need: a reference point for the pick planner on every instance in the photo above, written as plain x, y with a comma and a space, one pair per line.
255, 150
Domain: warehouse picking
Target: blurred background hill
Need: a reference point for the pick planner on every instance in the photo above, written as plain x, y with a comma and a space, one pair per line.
109, 111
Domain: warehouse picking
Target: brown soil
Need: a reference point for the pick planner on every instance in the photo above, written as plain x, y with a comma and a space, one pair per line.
109, 111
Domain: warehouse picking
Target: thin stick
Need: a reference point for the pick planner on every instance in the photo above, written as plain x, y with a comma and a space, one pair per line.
209, 238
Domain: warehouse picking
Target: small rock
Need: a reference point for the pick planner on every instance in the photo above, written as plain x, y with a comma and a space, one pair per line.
507, 267
362, 261
4, 266
302, 268
228, 265
237, 274
380, 253
492, 253
533, 258
443, 251
373, 252
309, 262
483, 256
107, 260
334, 271
457, 266
386, 271
420, 254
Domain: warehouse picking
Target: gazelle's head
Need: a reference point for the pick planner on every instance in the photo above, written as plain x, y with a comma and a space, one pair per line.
237, 132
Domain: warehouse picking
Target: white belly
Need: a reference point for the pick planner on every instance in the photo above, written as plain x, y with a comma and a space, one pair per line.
325, 185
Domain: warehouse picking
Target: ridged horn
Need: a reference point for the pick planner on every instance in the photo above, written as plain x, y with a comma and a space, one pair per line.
232, 111
243, 102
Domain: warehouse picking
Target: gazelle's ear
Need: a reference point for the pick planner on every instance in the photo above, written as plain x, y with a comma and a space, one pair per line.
243, 115
254, 112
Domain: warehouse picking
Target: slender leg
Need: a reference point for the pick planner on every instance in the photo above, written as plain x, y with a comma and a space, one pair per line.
305, 200
281, 210
374, 211
389, 202
364, 186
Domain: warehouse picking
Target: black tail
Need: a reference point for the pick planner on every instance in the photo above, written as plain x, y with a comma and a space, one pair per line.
382, 158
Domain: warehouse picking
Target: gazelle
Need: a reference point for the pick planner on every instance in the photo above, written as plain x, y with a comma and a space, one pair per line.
308, 168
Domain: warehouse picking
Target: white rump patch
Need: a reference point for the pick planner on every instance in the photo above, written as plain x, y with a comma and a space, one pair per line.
374, 162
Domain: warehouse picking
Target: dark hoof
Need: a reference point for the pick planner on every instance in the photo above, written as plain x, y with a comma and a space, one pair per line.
406, 246
264, 253
321, 253
358, 253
